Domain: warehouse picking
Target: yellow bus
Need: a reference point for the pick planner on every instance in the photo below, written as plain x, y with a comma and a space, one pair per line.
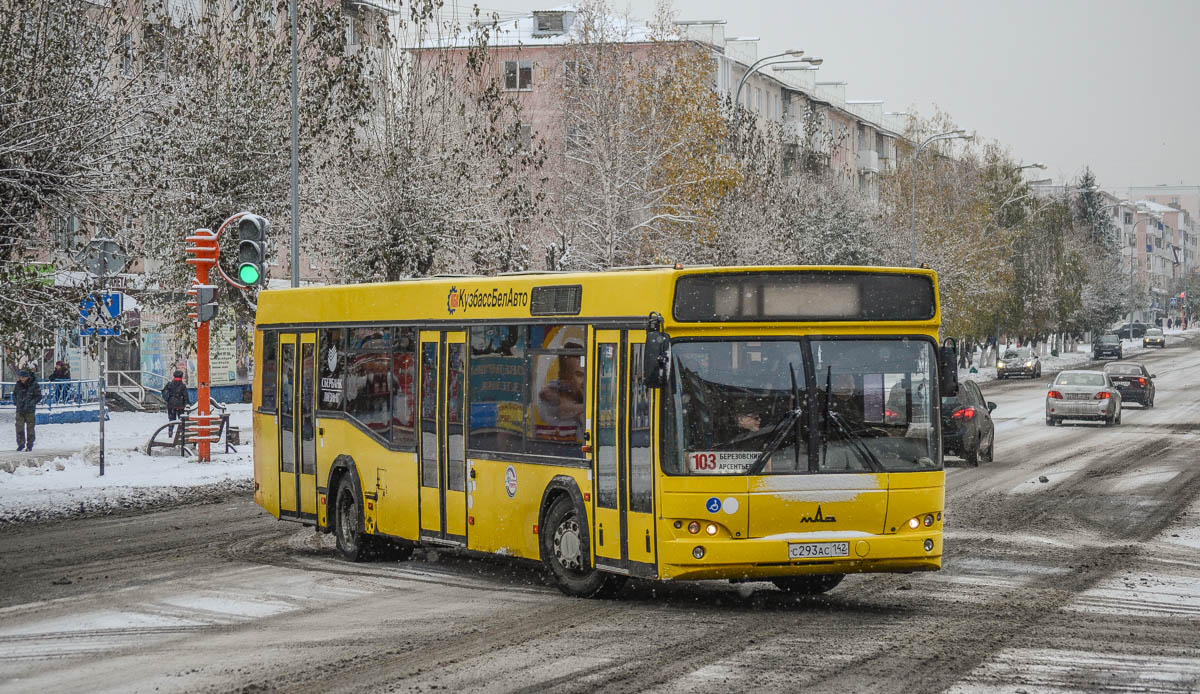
743, 423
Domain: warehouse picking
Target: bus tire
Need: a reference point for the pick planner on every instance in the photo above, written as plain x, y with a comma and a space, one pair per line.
808, 585
352, 542
566, 553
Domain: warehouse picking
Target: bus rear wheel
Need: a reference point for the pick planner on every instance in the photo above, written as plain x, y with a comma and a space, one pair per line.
352, 542
565, 551
808, 585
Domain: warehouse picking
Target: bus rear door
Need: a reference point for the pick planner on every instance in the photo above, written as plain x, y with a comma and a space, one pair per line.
297, 423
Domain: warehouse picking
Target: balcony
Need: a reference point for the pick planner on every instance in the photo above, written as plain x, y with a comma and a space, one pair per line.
868, 161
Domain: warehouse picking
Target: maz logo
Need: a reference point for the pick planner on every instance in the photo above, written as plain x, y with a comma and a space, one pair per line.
819, 518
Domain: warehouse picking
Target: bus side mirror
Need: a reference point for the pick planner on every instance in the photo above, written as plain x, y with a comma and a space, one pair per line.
948, 368
657, 359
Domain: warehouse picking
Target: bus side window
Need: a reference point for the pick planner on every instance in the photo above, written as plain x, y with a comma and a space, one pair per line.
498, 392
268, 369
403, 389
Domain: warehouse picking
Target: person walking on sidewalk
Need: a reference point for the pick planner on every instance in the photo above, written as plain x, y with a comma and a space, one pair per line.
26, 395
176, 396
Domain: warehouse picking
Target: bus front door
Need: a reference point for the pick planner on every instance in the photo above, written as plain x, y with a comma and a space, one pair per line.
297, 423
623, 471
442, 449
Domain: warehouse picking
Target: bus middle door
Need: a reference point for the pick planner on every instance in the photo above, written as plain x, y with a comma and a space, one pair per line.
442, 450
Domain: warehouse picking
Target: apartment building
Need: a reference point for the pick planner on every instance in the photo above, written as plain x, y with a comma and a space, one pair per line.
853, 140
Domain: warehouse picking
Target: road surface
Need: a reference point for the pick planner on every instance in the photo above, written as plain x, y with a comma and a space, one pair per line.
1071, 566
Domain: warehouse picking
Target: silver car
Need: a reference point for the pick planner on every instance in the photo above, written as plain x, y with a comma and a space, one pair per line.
1021, 360
1083, 395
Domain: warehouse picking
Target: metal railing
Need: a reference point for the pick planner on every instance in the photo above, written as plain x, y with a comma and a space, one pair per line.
58, 394
139, 387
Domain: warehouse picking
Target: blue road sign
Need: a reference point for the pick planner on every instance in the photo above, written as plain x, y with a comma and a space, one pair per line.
713, 504
89, 316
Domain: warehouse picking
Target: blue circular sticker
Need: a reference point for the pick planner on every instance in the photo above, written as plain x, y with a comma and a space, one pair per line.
713, 504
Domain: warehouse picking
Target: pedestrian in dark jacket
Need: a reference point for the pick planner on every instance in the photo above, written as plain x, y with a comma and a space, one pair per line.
62, 372
26, 395
176, 397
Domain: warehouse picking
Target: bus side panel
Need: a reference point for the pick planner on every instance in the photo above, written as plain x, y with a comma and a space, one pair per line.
504, 524
389, 475
398, 483
266, 462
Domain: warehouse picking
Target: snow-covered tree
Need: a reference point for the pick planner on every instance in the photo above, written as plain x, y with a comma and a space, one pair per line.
68, 91
442, 178
218, 139
642, 144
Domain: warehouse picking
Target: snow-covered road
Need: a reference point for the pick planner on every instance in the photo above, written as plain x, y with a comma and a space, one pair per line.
1088, 581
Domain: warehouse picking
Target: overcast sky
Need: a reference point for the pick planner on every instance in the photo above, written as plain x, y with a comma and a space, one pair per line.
1072, 83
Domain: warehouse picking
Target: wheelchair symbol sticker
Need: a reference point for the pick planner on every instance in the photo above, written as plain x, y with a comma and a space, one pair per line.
713, 504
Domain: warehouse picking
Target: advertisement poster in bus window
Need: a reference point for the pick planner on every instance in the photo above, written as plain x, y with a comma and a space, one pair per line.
560, 381
497, 384
332, 362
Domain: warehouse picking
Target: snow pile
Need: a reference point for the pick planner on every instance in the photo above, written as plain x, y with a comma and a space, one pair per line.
61, 477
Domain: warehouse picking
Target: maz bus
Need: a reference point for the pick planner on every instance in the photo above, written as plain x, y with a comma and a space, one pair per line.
752, 423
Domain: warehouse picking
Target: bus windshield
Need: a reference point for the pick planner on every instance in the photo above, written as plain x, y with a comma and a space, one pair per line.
747, 407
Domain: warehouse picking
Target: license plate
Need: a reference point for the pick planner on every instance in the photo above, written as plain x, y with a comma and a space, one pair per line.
806, 550
1078, 396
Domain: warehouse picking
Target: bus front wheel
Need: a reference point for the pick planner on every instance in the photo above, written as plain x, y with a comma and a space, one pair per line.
808, 585
565, 551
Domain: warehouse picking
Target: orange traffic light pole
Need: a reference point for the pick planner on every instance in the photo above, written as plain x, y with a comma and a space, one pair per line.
204, 250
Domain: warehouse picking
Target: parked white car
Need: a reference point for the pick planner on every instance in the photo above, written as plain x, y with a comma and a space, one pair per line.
1083, 395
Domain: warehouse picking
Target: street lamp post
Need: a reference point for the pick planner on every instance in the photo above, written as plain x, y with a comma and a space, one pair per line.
948, 135
793, 53
295, 182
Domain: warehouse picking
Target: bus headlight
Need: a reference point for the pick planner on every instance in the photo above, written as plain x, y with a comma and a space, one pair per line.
694, 527
928, 519
698, 552
928, 545
711, 528
914, 523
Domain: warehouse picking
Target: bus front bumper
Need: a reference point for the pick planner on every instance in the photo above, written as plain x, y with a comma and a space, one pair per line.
768, 558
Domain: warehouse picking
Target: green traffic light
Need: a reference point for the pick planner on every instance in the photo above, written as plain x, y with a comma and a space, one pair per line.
248, 274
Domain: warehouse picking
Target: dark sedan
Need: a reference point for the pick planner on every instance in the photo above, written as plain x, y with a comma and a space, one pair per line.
1135, 382
1131, 331
1107, 346
967, 428
1021, 361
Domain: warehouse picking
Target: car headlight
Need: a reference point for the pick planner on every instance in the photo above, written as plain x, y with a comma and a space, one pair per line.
1028, 363
999, 365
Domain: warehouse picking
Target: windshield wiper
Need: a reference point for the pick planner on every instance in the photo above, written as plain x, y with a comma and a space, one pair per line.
857, 444
786, 423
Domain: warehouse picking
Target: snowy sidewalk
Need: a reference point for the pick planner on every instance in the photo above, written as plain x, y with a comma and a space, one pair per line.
61, 476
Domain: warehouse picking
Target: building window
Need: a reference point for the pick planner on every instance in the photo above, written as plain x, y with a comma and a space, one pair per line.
518, 75
352, 31
524, 137
1129, 218
758, 99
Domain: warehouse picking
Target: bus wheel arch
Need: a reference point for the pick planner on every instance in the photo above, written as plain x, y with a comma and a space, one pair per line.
562, 529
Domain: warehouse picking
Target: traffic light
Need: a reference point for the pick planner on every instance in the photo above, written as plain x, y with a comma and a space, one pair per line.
206, 303
252, 250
